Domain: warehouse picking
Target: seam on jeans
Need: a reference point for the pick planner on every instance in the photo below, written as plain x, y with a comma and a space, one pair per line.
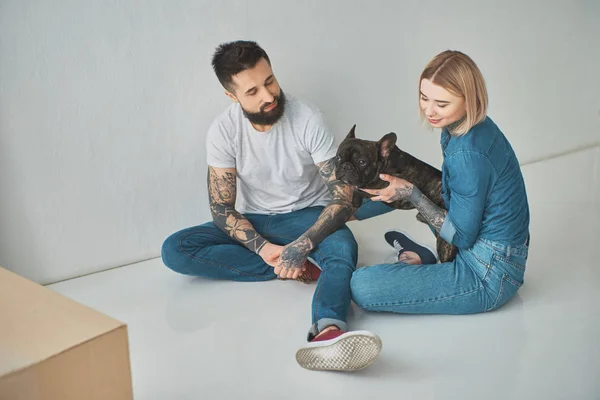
500, 292
316, 302
471, 152
510, 262
513, 282
505, 279
424, 301
483, 263
219, 265
317, 295
318, 292
501, 250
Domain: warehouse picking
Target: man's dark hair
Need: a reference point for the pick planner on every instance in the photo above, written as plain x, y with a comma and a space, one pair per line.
234, 57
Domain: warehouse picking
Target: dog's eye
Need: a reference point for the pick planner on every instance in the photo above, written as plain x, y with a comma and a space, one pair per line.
338, 158
362, 163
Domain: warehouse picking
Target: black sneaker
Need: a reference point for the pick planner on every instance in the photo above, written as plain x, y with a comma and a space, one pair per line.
401, 242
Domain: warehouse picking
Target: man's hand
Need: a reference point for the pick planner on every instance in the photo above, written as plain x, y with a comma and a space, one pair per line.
270, 253
293, 257
399, 189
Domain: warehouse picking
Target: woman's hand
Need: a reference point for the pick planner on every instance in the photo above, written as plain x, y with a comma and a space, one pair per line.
399, 189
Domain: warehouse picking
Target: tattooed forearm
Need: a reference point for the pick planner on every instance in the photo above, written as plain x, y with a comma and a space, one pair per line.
221, 196
433, 214
237, 226
327, 170
402, 193
221, 186
336, 214
341, 192
333, 217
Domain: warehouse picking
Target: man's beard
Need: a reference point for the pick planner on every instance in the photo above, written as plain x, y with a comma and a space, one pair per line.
267, 117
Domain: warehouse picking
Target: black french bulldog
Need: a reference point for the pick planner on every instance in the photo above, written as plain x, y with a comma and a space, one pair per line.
359, 163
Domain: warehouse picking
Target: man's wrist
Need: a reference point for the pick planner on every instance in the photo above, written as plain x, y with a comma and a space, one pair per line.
299, 248
305, 243
261, 246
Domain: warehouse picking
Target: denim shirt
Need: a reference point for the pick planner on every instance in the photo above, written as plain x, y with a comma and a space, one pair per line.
483, 188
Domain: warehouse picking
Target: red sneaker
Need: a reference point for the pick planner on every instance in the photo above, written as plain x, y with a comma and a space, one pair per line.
337, 350
311, 273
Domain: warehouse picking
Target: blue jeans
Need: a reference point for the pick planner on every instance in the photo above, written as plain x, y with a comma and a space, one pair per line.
481, 278
207, 252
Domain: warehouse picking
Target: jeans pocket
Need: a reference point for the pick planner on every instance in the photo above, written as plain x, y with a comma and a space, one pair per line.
508, 288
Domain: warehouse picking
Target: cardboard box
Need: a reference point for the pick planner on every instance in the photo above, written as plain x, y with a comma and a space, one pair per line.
53, 348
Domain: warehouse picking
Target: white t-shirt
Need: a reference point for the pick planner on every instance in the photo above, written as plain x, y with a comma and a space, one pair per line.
276, 171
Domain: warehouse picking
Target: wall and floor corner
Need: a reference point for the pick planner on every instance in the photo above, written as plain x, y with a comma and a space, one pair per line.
104, 106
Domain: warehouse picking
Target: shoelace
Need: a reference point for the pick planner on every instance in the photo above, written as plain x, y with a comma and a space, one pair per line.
304, 277
398, 247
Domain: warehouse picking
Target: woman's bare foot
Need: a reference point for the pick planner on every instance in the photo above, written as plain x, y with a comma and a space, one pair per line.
410, 257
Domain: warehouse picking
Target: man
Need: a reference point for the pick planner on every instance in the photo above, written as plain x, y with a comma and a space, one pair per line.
270, 208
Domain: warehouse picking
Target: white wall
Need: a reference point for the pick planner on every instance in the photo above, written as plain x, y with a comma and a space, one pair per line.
104, 105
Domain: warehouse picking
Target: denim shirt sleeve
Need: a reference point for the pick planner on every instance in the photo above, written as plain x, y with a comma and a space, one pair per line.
468, 182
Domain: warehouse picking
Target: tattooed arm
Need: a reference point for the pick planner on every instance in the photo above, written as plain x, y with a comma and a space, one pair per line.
433, 214
221, 196
400, 189
333, 217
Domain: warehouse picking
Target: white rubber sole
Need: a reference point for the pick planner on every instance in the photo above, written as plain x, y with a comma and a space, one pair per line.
351, 351
422, 245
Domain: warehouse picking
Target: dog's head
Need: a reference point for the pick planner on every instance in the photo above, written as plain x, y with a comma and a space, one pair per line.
358, 162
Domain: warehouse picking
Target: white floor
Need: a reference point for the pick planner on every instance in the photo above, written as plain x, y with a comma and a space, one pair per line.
192, 338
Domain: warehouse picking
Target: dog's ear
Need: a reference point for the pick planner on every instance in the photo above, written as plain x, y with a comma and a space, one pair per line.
351, 133
386, 144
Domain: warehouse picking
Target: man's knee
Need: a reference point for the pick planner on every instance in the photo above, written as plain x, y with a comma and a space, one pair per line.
171, 252
180, 247
341, 243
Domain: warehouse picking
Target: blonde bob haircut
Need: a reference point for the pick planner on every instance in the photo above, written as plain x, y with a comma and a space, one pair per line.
458, 74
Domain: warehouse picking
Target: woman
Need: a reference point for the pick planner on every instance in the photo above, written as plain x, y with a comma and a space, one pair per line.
487, 215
